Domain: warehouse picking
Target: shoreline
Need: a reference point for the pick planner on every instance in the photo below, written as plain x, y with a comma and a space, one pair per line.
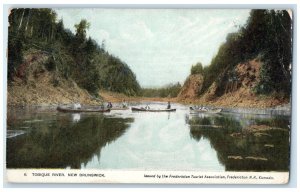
277, 110
246, 106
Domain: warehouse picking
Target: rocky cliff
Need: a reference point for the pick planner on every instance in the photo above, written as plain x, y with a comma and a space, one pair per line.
235, 89
191, 87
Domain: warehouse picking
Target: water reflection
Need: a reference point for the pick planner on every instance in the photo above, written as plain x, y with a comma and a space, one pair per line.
242, 147
158, 141
147, 141
55, 142
14, 133
75, 117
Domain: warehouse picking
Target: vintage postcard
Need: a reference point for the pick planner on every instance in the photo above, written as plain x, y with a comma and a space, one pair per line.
180, 96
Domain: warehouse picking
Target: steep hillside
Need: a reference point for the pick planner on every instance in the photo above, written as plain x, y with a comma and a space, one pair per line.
236, 92
252, 68
191, 87
68, 56
33, 84
267, 35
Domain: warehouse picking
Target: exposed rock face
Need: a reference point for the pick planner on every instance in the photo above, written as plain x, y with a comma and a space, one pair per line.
248, 73
243, 76
246, 77
191, 87
234, 89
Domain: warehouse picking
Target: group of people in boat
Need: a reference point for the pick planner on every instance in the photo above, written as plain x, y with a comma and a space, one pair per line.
148, 107
123, 105
109, 105
200, 108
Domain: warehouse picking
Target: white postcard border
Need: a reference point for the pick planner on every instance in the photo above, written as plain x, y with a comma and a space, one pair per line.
145, 177
12, 175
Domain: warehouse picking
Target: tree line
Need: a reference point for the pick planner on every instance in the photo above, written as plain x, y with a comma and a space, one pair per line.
170, 90
267, 36
74, 56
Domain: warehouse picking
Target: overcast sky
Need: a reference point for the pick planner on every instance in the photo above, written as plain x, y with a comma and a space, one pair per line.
159, 45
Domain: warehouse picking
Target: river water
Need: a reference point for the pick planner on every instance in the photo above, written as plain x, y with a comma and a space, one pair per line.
125, 140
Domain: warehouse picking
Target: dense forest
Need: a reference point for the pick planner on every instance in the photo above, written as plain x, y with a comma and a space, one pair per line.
71, 56
170, 91
266, 36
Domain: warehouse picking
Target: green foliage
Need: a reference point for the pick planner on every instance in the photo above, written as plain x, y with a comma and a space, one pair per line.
197, 69
267, 34
117, 76
229, 54
81, 29
15, 54
170, 90
276, 50
70, 55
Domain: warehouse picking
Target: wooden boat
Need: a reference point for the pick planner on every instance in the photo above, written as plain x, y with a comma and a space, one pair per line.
71, 110
152, 110
205, 111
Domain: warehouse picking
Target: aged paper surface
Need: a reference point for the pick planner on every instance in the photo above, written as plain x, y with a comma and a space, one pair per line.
182, 96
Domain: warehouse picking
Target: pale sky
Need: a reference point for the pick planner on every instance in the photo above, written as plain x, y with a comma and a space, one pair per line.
159, 45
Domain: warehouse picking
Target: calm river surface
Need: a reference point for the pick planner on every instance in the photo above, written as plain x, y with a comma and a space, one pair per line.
147, 141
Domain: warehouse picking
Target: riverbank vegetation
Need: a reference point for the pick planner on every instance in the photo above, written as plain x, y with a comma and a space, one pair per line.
267, 37
170, 91
70, 56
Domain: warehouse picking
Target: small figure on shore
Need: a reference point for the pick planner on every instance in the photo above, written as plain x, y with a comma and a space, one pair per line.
101, 105
77, 106
147, 107
109, 105
124, 104
169, 105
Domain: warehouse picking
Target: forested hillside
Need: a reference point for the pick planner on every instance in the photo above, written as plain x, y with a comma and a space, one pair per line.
254, 62
263, 44
170, 91
69, 56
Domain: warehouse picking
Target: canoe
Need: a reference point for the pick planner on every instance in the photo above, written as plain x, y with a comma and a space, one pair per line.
152, 110
71, 110
205, 111
118, 108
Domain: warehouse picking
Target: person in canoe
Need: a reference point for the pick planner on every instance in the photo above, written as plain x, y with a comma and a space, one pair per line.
169, 105
203, 108
109, 105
